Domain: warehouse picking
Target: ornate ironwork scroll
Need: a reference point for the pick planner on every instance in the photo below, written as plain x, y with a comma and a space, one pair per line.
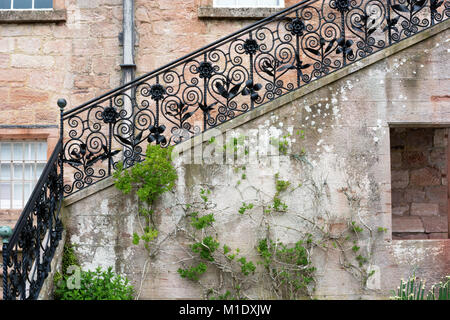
236, 74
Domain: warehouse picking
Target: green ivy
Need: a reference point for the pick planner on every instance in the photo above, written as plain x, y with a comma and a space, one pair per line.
202, 222
290, 267
193, 273
150, 178
206, 248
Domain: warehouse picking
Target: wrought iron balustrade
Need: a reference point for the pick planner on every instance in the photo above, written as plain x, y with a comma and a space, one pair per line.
231, 76
210, 86
28, 253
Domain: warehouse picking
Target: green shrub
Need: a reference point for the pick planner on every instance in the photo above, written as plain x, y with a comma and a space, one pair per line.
95, 285
150, 178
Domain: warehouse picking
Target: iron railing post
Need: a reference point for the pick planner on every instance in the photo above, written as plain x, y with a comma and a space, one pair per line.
61, 104
5, 233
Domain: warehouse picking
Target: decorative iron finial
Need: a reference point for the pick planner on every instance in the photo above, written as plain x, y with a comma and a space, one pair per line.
5, 233
62, 103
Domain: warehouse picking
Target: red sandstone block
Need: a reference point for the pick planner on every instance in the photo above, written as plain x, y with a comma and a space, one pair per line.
400, 178
419, 139
425, 177
437, 194
396, 159
407, 224
435, 224
438, 235
15, 75
438, 159
414, 159
400, 210
410, 236
4, 60
414, 195
28, 96
398, 197
440, 139
424, 209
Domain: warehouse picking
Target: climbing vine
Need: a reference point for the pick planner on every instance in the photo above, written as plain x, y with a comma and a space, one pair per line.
285, 267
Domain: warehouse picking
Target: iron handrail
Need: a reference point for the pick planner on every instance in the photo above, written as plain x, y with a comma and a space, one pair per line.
191, 55
233, 75
28, 253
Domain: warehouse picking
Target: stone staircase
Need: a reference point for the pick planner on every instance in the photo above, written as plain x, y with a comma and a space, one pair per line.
222, 101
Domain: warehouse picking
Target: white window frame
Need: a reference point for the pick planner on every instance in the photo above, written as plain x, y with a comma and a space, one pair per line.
28, 9
248, 4
34, 161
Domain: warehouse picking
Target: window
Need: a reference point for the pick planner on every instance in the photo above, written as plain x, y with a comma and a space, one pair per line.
26, 4
21, 164
249, 3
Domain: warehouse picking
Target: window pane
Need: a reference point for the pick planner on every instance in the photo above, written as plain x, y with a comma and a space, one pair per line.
17, 195
225, 3
5, 4
247, 3
269, 3
5, 172
18, 172
27, 151
43, 4
28, 172
23, 4
5, 151
18, 151
26, 192
39, 169
42, 151
5, 195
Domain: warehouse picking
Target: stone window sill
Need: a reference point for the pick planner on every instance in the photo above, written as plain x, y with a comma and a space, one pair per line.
33, 16
236, 13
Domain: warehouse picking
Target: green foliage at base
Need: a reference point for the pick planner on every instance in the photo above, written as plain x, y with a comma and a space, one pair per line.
290, 267
96, 285
69, 258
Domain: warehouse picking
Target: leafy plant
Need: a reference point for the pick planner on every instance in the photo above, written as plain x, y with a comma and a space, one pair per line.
202, 222
289, 267
413, 289
245, 207
206, 248
193, 273
96, 285
149, 180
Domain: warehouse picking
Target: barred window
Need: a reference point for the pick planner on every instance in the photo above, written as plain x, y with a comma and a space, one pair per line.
248, 3
26, 4
21, 165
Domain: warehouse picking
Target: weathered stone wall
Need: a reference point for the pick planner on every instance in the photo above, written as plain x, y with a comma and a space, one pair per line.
346, 177
40, 62
80, 58
419, 183
168, 30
